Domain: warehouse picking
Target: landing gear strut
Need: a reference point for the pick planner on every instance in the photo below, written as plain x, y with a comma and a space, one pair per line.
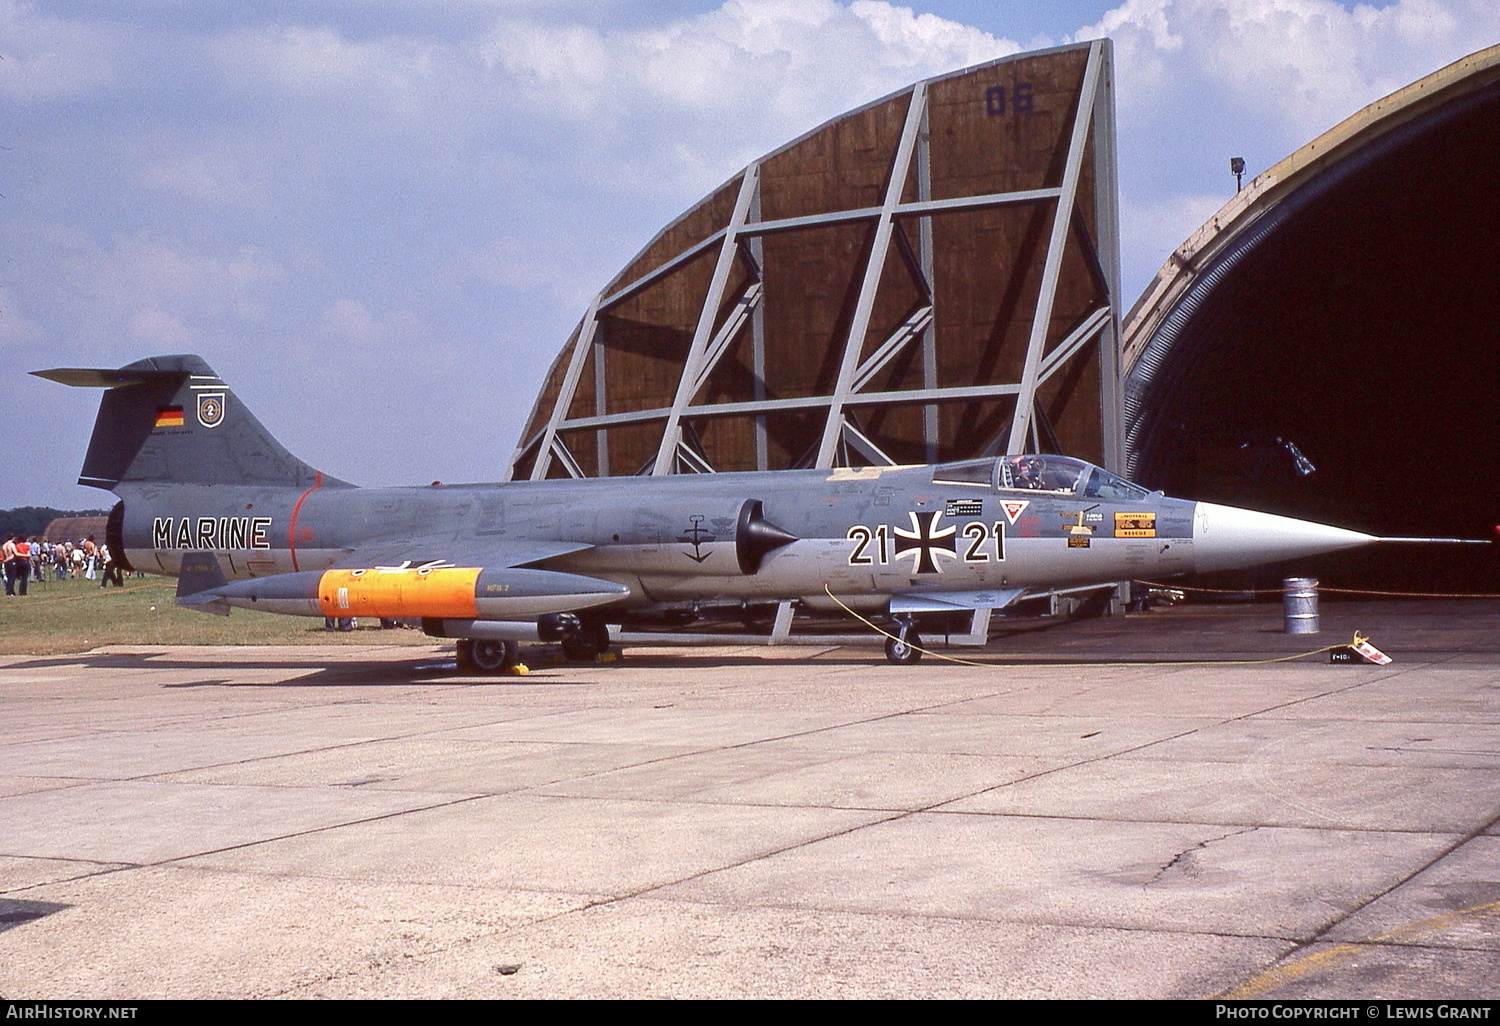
905, 649
486, 655
589, 641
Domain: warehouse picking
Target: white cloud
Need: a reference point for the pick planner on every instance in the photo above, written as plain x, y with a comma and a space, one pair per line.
136, 292
160, 332
50, 59
206, 177
326, 200
1302, 64
688, 99
1199, 81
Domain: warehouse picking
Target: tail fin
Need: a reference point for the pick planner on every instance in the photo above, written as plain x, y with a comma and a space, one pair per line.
172, 419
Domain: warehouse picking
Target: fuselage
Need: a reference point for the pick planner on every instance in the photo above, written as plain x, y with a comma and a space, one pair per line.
864, 534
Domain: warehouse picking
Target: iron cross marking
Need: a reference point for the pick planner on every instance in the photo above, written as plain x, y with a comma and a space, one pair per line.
925, 541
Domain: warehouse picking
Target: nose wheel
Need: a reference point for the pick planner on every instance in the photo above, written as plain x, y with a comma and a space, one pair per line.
905, 648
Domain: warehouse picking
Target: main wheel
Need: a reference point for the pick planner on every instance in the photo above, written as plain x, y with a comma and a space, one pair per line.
590, 640
490, 656
905, 650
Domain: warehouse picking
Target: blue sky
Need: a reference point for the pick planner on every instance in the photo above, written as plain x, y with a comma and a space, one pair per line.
360, 208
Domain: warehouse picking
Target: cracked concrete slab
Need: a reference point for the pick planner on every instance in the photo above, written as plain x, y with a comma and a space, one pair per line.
177, 932
143, 822
649, 948
513, 841
1266, 881
1261, 793
1455, 903
433, 764
1402, 743
1374, 971
761, 822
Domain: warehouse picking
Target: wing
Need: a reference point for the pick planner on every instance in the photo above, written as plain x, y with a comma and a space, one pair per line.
489, 553
953, 601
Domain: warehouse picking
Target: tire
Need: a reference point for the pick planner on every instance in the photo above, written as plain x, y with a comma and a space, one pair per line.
490, 656
906, 652
591, 640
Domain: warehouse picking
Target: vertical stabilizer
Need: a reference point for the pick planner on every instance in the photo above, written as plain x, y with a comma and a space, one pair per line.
171, 419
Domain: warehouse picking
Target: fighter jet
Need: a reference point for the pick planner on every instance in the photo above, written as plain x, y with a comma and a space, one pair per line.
206, 494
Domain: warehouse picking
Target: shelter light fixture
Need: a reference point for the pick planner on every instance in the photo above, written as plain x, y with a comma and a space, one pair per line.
1237, 168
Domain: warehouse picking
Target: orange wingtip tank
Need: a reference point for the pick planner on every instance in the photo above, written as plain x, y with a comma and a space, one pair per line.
425, 591
443, 592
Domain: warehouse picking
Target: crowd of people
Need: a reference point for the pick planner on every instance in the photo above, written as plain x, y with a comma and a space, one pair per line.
31, 559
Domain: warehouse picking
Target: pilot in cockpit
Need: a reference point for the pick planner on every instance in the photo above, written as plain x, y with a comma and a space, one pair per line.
1029, 473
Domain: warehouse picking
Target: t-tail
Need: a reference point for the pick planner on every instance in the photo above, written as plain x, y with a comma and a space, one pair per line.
172, 420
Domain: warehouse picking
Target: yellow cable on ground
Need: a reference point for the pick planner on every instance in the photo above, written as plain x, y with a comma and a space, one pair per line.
1182, 662
1334, 591
42, 601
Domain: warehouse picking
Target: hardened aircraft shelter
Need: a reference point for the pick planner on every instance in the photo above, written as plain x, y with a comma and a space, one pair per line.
933, 276
1326, 346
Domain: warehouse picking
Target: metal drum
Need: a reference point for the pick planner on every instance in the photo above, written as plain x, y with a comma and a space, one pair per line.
1299, 603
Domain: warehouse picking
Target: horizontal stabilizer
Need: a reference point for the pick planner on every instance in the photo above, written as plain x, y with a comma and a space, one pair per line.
100, 377
199, 582
953, 601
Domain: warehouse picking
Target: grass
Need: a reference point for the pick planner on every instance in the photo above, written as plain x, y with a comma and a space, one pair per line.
78, 615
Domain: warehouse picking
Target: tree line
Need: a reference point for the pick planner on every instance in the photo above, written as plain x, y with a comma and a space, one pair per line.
33, 520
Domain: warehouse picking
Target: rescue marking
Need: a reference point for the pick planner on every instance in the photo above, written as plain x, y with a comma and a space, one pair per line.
1135, 525
1014, 508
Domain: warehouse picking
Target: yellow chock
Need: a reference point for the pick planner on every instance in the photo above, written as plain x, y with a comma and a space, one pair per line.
518, 670
1358, 651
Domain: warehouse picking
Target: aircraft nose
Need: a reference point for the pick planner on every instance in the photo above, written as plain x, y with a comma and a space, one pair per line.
1226, 537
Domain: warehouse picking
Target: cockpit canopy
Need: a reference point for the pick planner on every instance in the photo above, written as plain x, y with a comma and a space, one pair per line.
1058, 475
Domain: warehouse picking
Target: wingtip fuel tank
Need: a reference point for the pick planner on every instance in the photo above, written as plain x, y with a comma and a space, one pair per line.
414, 592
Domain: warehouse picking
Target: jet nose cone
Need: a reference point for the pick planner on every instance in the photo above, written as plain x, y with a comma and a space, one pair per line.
1226, 537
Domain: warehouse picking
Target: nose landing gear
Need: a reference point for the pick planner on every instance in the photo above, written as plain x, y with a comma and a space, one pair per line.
905, 649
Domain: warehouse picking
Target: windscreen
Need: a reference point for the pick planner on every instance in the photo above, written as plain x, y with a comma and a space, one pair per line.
1041, 473
969, 472
1104, 485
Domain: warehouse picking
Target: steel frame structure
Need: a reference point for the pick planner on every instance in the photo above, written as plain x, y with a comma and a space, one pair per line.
841, 442
727, 317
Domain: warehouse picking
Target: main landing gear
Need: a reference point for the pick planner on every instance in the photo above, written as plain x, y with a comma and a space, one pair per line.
905, 649
588, 642
582, 641
486, 655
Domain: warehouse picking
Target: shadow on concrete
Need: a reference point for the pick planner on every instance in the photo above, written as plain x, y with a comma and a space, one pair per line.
1193, 633
14, 912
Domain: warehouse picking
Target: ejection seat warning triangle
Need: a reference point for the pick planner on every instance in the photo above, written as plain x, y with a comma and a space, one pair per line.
1014, 509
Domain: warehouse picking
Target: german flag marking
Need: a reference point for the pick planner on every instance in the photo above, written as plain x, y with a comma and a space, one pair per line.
168, 416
